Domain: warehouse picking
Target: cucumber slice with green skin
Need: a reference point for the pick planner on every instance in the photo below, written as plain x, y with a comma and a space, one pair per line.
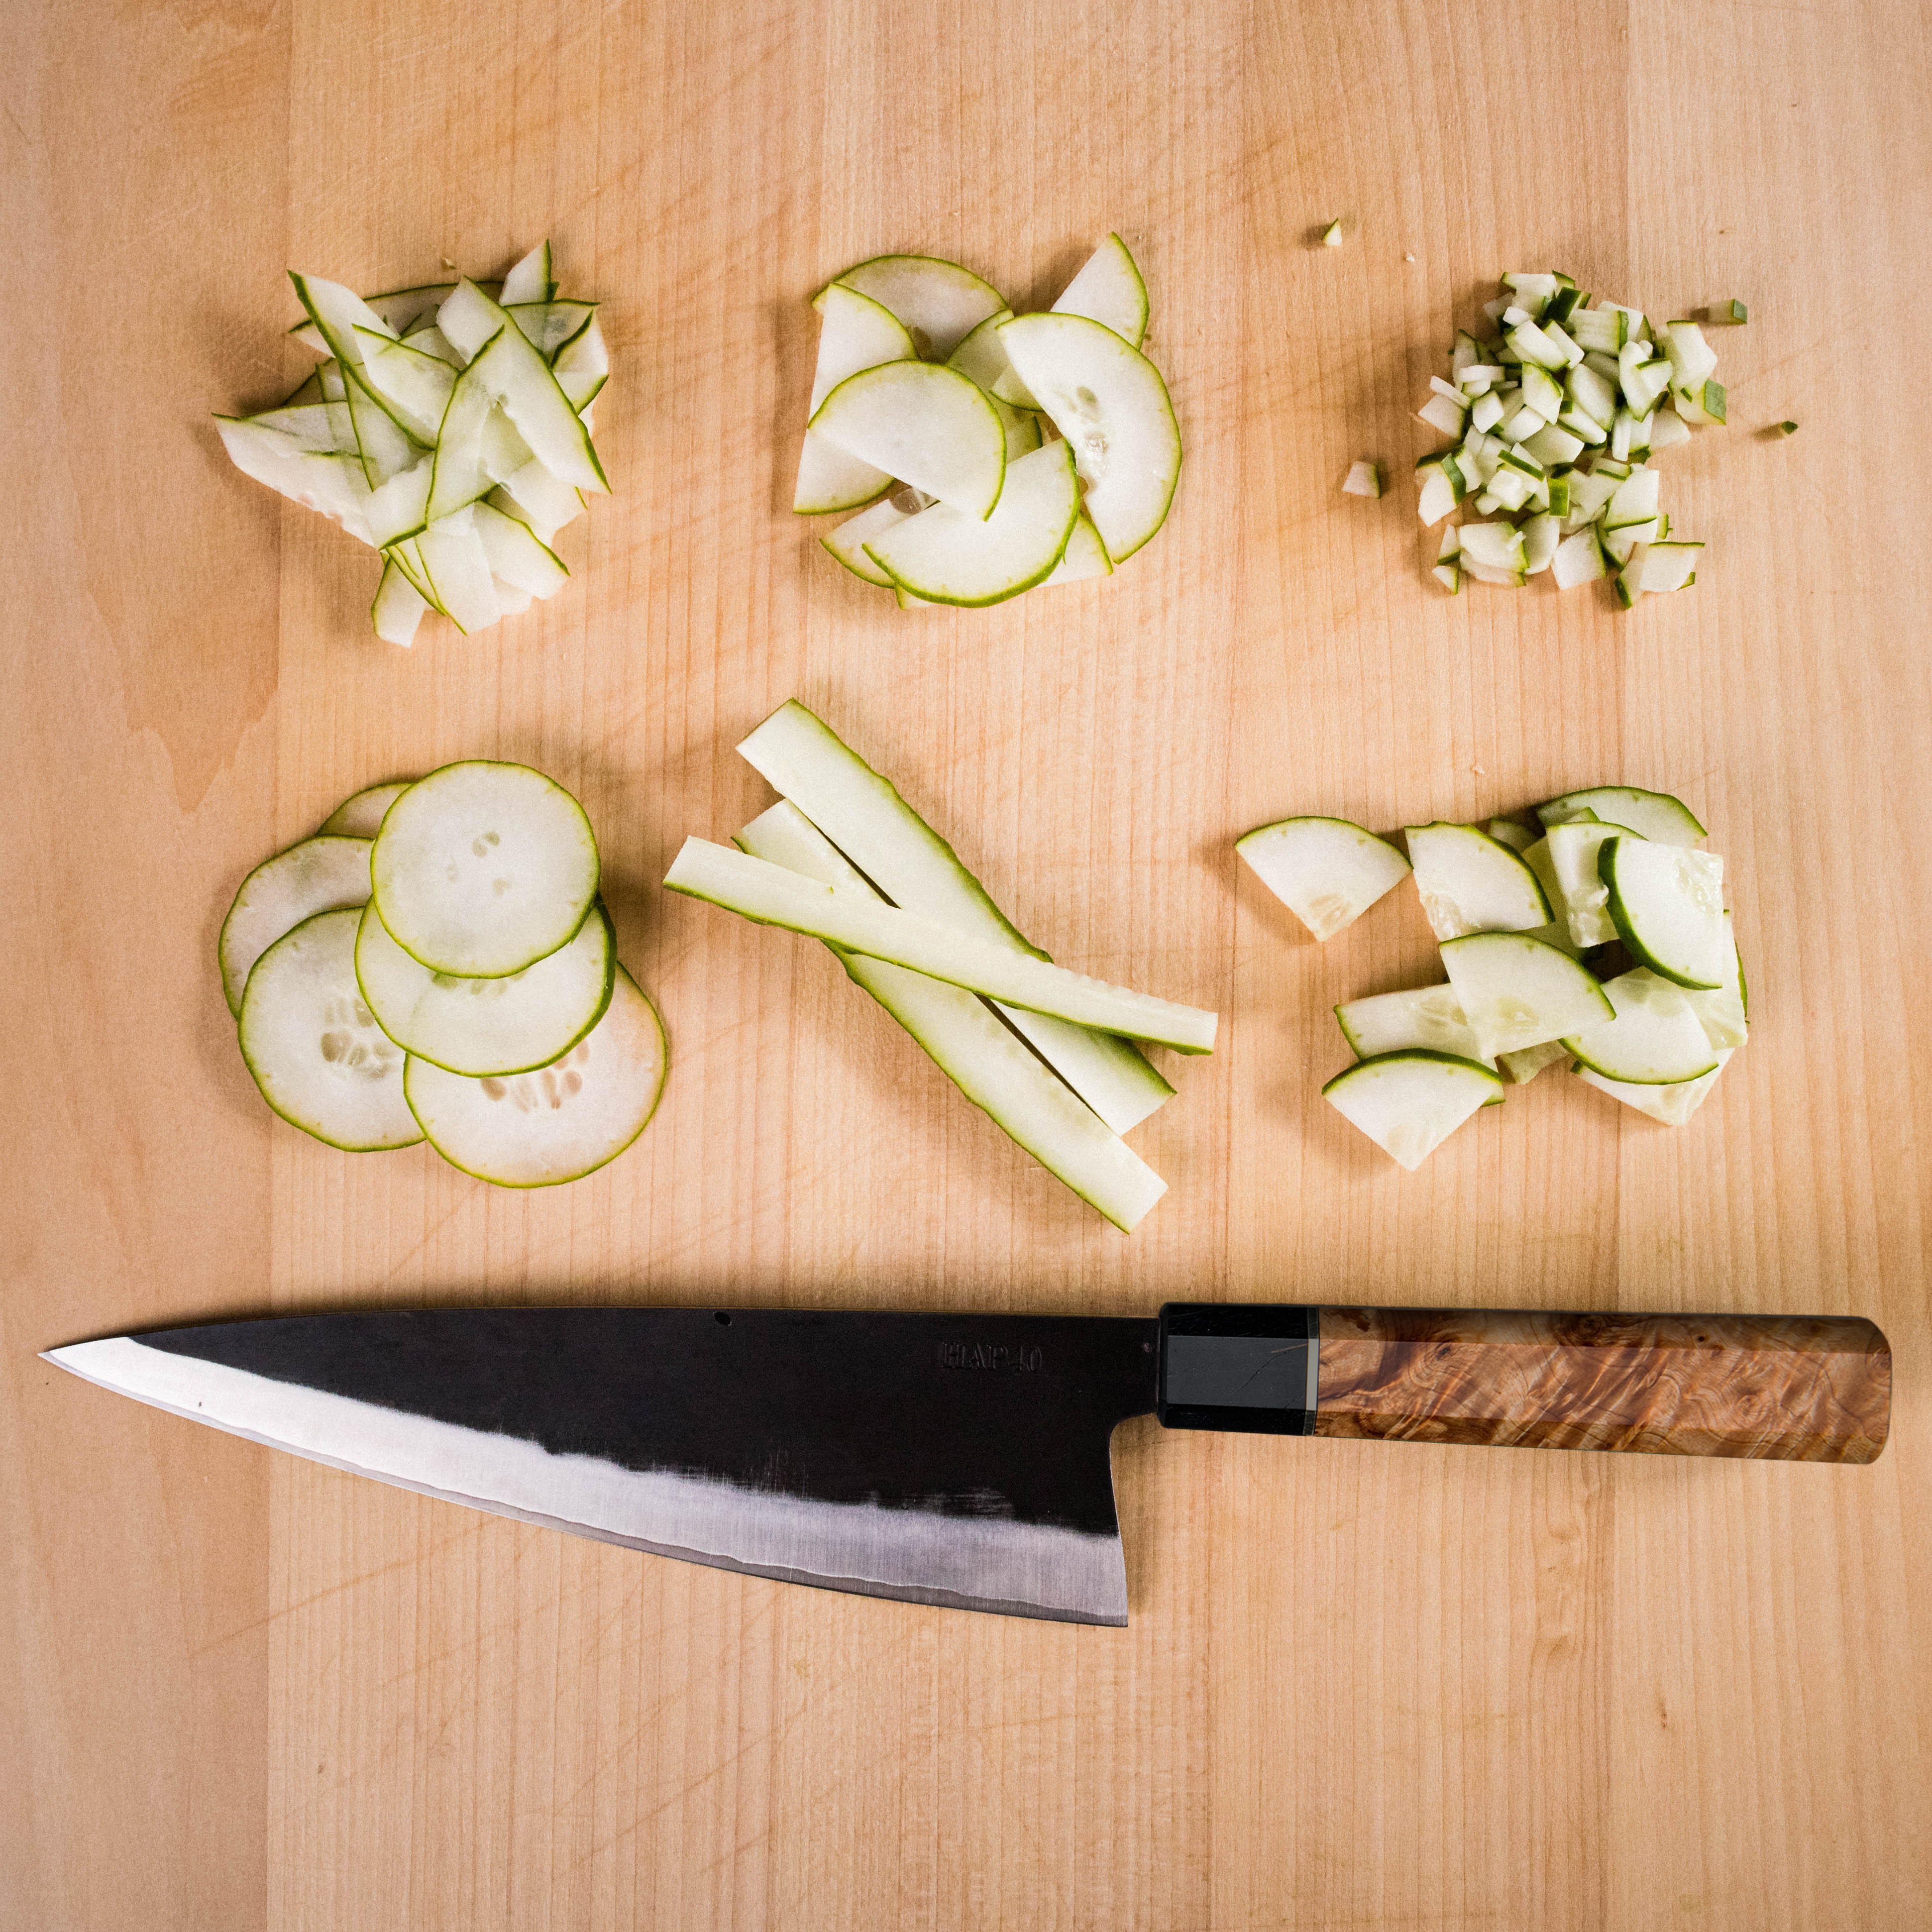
360, 815
926, 424
1109, 290
585, 354
415, 386
1579, 559
1110, 403
332, 484
863, 814
325, 874
855, 333
1573, 847
1468, 882
773, 896
547, 326
313, 426
534, 497
1085, 556
1655, 1039
997, 1073
940, 303
481, 869
478, 1027
563, 1120
1667, 903
944, 556
530, 280
1672, 1105
1327, 872
308, 390
848, 542
1650, 814
1721, 1010
1507, 832
1517, 992
514, 556
1429, 1016
314, 1047
1022, 428
400, 508
982, 357
1409, 1103
458, 572
1524, 1065
1536, 857
399, 607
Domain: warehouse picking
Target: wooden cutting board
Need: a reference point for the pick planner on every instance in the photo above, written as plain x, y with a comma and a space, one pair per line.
1378, 1687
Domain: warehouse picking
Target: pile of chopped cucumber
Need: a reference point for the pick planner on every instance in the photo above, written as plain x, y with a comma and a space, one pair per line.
447, 427
1557, 415
1599, 937
435, 964
1049, 1054
988, 454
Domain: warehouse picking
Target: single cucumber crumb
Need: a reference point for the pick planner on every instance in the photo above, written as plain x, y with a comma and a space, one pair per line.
1331, 235
1732, 311
1364, 479
1787, 428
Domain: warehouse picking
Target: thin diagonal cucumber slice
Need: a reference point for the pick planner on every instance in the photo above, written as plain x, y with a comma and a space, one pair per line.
1108, 290
940, 303
314, 1047
563, 1120
399, 607
1721, 1008
1409, 1103
982, 1057
360, 815
773, 896
1672, 1104
1516, 991
1469, 882
1667, 904
926, 424
1327, 872
478, 1027
514, 556
530, 280
324, 874
534, 497
1651, 814
481, 869
457, 572
415, 384
1654, 1040
1430, 1016
318, 480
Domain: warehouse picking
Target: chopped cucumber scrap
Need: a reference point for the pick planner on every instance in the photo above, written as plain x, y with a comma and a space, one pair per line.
1363, 479
1409, 1103
1327, 872
1523, 1065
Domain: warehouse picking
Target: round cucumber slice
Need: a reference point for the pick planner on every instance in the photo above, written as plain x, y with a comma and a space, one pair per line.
324, 874
926, 424
940, 303
1108, 401
1517, 992
1409, 1103
1667, 904
360, 815
481, 869
1327, 872
560, 1122
1655, 1040
313, 1046
479, 1026
1651, 814
1471, 883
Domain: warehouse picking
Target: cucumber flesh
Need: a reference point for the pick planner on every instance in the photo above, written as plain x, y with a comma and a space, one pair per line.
1651, 814
1109, 290
481, 869
1523, 1065
563, 1120
1084, 558
399, 607
534, 497
1517, 991
314, 1047
1327, 872
848, 542
1430, 1016
360, 815
1721, 1008
924, 424
855, 333
530, 281
1557, 932
1667, 904
1654, 1040
940, 303
1672, 1105
1409, 1103
324, 874
995, 1071
1573, 847
1468, 882
478, 1027
1507, 832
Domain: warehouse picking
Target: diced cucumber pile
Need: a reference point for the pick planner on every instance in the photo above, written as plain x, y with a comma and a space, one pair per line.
1529, 926
988, 454
436, 964
1051, 1056
1555, 414
448, 427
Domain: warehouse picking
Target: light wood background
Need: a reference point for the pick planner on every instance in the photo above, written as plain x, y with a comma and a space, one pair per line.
1381, 1688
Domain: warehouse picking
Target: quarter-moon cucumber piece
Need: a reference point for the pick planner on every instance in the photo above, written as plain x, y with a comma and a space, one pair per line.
1651, 814
1109, 290
946, 556
479, 1026
1429, 1016
313, 1046
1409, 1103
1654, 1040
855, 333
1327, 872
1721, 1008
940, 303
926, 424
1109, 402
1469, 882
324, 874
481, 869
1517, 991
1667, 904
1586, 899
563, 1120
1672, 1105
360, 815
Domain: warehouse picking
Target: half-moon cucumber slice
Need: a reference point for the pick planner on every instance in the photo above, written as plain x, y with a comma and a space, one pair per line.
1651, 814
1667, 904
848, 542
560, 1122
1471, 883
313, 1046
1409, 1103
1517, 991
940, 303
481, 869
480, 1026
324, 874
1655, 1040
926, 424
855, 333
1327, 872
360, 815
1109, 290
1085, 556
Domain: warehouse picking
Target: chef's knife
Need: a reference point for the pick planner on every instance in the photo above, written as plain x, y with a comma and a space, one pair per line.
959, 1459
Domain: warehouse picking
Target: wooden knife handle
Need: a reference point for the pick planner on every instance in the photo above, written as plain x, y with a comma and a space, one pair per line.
1806, 1389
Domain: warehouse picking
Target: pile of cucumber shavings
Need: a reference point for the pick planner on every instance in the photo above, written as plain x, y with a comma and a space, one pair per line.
1598, 938
447, 427
1557, 415
988, 454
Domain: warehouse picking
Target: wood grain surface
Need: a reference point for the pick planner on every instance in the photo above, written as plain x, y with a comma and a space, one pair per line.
1385, 1687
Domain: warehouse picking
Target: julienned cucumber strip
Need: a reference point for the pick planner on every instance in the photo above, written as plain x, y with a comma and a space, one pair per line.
996, 1071
773, 896
324, 874
862, 813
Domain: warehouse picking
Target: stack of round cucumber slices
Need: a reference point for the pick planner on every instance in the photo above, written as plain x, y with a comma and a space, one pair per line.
988, 453
436, 964
448, 428
1599, 937
1557, 415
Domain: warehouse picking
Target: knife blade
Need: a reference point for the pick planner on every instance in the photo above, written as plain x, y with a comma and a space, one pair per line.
959, 1460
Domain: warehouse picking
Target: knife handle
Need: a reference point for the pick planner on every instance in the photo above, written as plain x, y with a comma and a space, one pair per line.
1797, 1388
